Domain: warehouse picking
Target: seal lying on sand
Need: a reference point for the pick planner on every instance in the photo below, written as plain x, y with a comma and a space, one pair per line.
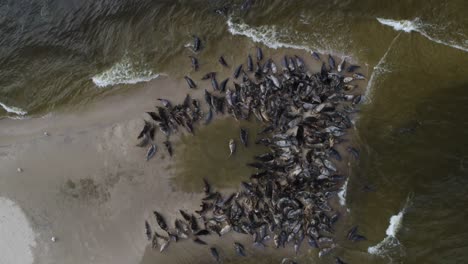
305, 115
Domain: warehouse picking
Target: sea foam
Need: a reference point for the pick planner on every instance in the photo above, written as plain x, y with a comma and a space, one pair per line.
401, 25
123, 72
417, 25
14, 110
390, 241
267, 35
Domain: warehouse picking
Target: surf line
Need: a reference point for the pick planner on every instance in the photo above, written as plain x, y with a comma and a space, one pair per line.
390, 241
268, 36
378, 69
415, 25
13, 109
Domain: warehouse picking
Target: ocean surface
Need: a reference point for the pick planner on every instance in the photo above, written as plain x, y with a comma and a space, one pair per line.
408, 192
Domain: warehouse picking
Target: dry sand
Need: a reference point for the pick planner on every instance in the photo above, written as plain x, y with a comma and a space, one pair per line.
16, 233
86, 183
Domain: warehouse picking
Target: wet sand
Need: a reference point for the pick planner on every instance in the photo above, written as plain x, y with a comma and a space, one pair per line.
88, 185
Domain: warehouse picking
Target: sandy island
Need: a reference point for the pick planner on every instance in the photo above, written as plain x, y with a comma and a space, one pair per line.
86, 183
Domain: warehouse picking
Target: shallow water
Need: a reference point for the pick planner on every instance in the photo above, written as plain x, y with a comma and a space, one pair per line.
206, 155
411, 131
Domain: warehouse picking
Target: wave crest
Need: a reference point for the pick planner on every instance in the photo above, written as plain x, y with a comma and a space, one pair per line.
123, 72
13, 109
417, 25
267, 35
401, 25
390, 243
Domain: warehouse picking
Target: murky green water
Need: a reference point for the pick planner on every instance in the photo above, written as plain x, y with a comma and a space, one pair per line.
206, 155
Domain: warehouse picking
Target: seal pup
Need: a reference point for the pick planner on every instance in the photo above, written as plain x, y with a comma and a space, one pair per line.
165, 102
352, 68
214, 83
214, 253
185, 215
273, 66
145, 130
341, 66
243, 136
358, 76
199, 241
168, 146
148, 230
222, 86
206, 187
339, 261
161, 221
315, 55
164, 245
240, 250
259, 54
249, 63
208, 76
196, 43
195, 64
222, 61
238, 71
190, 82
354, 236
331, 62
151, 152
209, 116
232, 147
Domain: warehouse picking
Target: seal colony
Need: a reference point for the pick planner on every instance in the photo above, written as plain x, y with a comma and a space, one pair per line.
305, 115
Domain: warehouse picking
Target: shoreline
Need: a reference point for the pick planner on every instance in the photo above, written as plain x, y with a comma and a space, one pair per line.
89, 163
87, 180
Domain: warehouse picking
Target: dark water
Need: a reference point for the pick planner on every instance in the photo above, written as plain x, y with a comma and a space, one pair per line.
412, 131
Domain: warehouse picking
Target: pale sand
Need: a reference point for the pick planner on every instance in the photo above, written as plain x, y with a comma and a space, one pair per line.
87, 183
17, 235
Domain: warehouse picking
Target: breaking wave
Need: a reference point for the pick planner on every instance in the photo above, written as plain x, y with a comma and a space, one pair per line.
401, 25
14, 110
417, 25
267, 35
390, 242
123, 72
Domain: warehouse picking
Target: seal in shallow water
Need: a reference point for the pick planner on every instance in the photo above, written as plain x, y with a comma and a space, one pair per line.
232, 146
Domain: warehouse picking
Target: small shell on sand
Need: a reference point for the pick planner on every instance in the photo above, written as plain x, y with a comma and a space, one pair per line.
53, 239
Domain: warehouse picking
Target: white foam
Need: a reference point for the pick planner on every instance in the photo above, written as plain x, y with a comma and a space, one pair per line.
401, 25
12, 109
377, 71
417, 25
123, 72
16, 235
342, 193
395, 224
390, 241
453, 45
267, 35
